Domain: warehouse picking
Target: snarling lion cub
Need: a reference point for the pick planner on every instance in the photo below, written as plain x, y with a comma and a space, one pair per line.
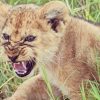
48, 36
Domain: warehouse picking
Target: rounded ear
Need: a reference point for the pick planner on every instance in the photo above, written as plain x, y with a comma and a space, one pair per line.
4, 8
54, 9
56, 13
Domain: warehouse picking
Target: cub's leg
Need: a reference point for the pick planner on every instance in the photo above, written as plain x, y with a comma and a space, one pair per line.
34, 89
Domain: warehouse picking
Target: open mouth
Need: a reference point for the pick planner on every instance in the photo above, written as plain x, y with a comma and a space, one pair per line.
23, 68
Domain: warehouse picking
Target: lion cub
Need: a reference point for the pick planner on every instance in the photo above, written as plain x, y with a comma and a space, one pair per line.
48, 36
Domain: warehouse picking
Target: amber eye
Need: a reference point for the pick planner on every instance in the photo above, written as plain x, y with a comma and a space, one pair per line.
6, 36
30, 38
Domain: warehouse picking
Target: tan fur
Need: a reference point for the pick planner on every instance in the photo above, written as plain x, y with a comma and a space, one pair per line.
34, 89
67, 52
3, 13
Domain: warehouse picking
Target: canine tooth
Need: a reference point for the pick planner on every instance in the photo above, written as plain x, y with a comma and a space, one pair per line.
24, 65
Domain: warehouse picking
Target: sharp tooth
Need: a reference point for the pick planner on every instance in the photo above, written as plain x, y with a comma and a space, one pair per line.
24, 65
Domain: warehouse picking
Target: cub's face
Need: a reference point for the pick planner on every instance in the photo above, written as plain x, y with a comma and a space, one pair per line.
30, 38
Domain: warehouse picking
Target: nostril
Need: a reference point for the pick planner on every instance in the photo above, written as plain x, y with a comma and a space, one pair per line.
13, 59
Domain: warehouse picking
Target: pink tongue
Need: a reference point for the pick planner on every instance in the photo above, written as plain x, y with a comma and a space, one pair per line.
20, 66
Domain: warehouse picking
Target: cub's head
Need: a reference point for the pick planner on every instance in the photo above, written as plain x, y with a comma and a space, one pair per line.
31, 35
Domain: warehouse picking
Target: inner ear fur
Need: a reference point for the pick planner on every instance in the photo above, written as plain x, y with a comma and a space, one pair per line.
54, 12
54, 9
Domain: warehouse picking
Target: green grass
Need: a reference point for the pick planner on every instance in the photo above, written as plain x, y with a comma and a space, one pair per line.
93, 93
49, 88
89, 10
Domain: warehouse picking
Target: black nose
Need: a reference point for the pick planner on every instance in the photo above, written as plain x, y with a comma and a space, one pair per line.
13, 58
